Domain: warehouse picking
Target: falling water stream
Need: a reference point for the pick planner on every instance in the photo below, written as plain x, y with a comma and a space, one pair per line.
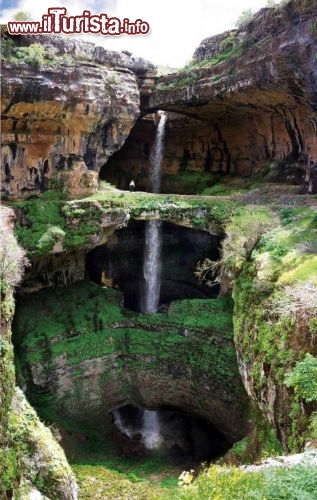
157, 155
153, 233
117, 420
151, 429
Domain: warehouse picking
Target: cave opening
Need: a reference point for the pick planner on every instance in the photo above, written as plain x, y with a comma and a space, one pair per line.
119, 263
132, 160
169, 432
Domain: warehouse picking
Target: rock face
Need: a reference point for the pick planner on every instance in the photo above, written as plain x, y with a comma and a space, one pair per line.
247, 103
29, 455
64, 117
88, 356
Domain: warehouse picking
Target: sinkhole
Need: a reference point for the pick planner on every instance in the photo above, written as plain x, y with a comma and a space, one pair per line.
169, 432
119, 263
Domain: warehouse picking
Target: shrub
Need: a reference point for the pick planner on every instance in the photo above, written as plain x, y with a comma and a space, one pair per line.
12, 259
33, 54
244, 18
303, 378
275, 483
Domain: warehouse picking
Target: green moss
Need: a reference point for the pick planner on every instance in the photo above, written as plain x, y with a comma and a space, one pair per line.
43, 223
41, 460
187, 181
7, 378
86, 322
9, 470
190, 74
47, 222
270, 296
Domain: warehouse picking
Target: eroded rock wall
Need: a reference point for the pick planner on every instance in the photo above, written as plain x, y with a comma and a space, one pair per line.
64, 117
246, 104
89, 356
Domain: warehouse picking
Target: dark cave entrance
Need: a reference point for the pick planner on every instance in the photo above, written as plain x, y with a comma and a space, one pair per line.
181, 437
132, 160
119, 263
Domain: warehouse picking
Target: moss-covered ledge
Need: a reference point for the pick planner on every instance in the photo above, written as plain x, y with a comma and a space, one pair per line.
45, 225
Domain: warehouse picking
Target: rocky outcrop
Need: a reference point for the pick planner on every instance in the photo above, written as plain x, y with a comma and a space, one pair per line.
275, 295
66, 113
43, 462
246, 105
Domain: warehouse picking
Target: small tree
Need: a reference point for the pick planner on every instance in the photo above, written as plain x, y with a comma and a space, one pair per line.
33, 54
244, 18
12, 259
244, 233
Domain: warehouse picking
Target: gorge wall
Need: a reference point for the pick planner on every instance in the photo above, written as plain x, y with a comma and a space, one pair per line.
62, 123
245, 105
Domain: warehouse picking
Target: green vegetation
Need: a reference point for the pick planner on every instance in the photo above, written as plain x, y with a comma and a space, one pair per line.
221, 190
9, 470
273, 291
34, 54
118, 476
243, 234
303, 378
48, 221
220, 483
244, 19
40, 459
189, 79
97, 481
47, 225
188, 181
230, 49
85, 321
12, 262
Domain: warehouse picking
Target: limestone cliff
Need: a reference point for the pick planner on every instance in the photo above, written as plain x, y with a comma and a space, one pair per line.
246, 104
65, 110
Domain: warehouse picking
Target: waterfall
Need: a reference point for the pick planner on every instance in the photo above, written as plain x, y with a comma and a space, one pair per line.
117, 420
153, 233
152, 265
151, 429
157, 155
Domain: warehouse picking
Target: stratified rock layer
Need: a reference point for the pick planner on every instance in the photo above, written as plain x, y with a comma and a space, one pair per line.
63, 119
246, 105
